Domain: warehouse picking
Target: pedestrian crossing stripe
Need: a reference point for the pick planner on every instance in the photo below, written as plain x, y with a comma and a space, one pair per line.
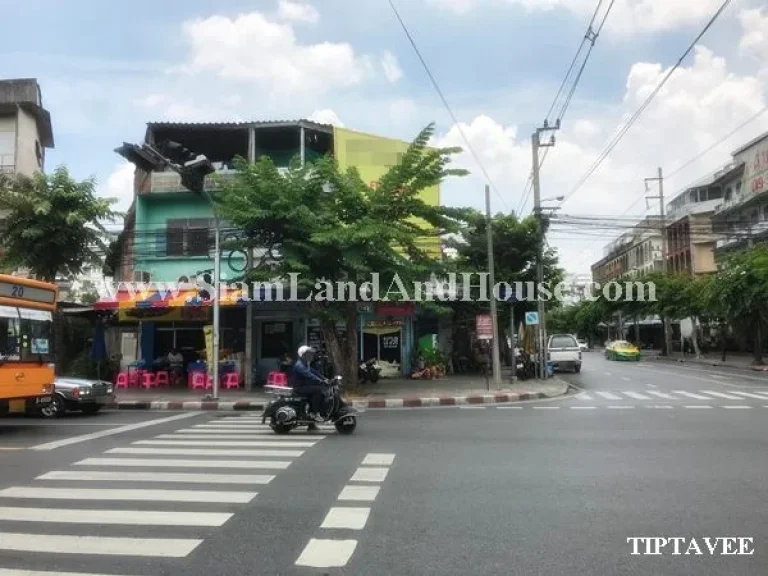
676, 395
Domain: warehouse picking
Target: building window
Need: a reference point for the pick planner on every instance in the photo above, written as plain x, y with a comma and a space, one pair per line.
765, 212
39, 154
188, 237
753, 217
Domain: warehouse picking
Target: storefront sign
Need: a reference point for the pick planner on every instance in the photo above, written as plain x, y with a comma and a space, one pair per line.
484, 327
390, 323
175, 314
208, 331
395, 309
755, 161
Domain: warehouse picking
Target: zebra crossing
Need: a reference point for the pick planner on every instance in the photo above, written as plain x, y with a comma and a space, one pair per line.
157, 498
671, 395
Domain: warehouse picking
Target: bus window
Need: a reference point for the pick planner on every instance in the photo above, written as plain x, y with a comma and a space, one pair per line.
9, 333
36, 334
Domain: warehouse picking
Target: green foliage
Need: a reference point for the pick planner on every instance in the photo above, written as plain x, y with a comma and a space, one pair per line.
55, 224
114, 256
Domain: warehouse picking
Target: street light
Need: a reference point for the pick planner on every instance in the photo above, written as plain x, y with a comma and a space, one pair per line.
554, 199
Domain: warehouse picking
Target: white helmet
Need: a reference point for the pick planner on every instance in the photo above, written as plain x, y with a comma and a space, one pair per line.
305, 349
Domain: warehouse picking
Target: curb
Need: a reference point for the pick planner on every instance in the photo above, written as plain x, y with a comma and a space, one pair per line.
379, 404
715, 363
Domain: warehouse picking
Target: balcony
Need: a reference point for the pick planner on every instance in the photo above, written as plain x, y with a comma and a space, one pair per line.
7, 170
170, 182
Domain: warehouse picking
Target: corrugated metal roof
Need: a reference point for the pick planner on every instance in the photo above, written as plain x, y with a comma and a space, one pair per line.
263, 123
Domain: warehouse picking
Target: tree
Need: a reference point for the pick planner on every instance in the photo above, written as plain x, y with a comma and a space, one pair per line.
325, 224
54, 224
739, 292
114, 256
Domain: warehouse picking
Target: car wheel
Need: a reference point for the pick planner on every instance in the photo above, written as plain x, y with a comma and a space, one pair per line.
55, 409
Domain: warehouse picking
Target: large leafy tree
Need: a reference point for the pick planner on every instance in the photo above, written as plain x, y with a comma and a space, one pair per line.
53, 223
326, 224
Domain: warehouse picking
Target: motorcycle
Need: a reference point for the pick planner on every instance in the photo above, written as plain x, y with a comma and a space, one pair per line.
291, 410
368, 372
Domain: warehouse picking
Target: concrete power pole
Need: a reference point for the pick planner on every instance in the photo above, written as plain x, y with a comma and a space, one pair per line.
535, 145
249, 323
494, 318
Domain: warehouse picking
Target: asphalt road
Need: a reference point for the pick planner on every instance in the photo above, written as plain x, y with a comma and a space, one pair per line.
554, 487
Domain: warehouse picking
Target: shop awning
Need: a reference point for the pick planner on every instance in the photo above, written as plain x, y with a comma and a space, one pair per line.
129, 299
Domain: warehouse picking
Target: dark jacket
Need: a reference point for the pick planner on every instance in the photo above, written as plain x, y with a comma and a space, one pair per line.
303, 375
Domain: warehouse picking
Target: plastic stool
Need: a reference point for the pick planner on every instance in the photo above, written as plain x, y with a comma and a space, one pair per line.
122, 380
148, 380
162, 379
277, 378
198, 380
232, 380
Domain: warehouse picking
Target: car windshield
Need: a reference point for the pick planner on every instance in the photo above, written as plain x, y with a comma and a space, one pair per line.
622, 344
562, 342
25, 334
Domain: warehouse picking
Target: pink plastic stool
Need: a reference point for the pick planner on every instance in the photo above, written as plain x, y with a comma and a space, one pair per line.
148, 380
161, 379
122, 380
198, 380
277, 378
208, 382
232, 380
134, 378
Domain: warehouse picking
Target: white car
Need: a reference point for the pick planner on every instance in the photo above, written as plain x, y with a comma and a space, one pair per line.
583, 345
564, 352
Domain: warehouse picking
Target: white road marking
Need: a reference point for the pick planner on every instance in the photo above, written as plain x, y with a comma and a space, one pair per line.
369, 475
721, 395
509, 407
9, 572
374, 459
737, 407
226, 443
698, 407
690, 395
626, 379
651, 385
546, 407
212, 432
636, 396
583, 407
719, 377
608, 395
620, 407
346, 518
359, 493
111, 432
472, 407
607, 373
57, 544
122, 517
327, 553
583, 396
661, 395
127, 495
165, 463
659, 407
232, 452
174, 477
749, 395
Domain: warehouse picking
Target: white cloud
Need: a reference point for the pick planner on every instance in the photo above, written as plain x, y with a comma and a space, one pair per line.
297, 12
755, 39
629, 16
326, 116
171, 108
253, 48
699, 105
119, 185
392, 69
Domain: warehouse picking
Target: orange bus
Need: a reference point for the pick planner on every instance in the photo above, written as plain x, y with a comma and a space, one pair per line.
26, 344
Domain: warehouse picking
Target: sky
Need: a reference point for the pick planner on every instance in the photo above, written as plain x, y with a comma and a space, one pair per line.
108, 68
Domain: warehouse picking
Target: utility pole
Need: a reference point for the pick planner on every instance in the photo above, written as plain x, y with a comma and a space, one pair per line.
664, 251
249, 322
535, 145
494, 319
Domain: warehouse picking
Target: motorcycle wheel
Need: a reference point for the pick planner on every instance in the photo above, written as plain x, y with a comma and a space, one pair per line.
345, 427
279, 428
374, 378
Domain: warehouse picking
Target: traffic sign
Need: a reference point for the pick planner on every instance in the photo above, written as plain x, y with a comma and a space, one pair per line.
531, 318
484, 327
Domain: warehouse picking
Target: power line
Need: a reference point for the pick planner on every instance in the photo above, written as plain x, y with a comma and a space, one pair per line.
445, 103
616, 139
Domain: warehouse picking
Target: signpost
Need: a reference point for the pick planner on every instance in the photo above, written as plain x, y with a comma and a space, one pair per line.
532, 319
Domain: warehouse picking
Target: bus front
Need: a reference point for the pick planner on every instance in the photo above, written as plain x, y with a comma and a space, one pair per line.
27, 371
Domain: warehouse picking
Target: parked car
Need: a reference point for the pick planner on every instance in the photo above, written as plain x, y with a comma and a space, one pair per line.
78, 395
564, 352
583, 346
622, 350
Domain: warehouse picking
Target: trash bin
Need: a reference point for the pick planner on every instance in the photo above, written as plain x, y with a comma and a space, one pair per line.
550, 369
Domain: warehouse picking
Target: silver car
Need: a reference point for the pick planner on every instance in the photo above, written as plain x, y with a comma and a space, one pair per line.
78, 395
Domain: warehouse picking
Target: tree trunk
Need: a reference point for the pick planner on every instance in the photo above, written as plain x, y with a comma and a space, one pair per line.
343, 351
758, 344
723, 341
637, 332
667, 337
695, 336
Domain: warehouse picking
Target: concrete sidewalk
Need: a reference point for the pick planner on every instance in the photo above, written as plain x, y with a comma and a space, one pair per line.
395, 393
735, 361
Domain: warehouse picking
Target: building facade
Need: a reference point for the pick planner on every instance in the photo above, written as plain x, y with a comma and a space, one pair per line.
25, 128
635, 252
168, 238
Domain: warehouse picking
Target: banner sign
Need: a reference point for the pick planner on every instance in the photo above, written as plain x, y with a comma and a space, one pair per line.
484, 327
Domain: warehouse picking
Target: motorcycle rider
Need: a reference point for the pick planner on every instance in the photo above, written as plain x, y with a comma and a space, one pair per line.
307, 382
